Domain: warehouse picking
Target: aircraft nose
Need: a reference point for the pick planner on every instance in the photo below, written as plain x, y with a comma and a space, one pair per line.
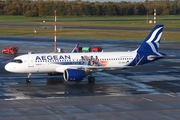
8, 67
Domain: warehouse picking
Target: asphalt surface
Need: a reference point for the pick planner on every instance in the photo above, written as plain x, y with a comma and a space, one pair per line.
151, 91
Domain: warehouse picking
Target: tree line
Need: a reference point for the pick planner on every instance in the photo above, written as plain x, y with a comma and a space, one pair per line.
79, 8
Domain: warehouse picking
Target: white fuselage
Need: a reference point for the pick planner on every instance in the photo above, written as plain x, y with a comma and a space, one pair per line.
58, 62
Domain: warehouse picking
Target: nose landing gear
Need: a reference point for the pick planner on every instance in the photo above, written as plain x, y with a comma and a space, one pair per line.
28, 80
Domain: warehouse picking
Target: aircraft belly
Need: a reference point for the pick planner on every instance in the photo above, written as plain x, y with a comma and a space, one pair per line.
42, 68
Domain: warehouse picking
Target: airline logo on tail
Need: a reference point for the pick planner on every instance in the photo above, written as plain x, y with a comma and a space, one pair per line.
151, 43
154, 40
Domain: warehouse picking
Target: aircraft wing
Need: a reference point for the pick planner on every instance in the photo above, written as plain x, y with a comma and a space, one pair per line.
86, 68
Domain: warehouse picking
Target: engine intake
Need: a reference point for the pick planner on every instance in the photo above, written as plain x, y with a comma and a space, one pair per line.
73, 75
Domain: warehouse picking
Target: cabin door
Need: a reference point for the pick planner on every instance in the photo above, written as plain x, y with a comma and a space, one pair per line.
30, 62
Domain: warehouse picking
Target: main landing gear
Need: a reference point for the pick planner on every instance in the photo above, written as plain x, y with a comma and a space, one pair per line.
28, 80
91, 79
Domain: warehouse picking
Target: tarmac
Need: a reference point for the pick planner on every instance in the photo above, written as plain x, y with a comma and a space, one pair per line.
145, 92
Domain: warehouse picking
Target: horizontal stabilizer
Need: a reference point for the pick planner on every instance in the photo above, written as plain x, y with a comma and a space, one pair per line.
152, 57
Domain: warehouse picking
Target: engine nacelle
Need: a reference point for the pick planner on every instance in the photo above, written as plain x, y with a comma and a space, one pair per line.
73, 75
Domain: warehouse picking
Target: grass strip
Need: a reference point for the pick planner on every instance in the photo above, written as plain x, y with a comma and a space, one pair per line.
87, 33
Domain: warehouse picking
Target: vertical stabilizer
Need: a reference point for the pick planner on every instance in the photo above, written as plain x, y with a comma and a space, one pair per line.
75, 49
152, 41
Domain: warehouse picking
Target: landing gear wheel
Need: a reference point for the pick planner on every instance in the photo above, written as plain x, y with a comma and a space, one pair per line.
28, 80
91, 79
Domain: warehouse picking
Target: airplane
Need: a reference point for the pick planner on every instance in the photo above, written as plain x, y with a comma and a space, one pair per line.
74, 50
76, 66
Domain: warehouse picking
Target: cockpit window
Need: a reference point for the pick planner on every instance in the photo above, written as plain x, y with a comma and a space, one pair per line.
17, 61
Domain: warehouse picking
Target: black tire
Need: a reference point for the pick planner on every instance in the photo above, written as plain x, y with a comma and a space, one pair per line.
28, 80
91, 79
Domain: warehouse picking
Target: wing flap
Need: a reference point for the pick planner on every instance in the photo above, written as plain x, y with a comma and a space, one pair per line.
61, 68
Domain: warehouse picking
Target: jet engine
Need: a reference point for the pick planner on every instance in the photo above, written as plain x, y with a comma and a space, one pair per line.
73, 75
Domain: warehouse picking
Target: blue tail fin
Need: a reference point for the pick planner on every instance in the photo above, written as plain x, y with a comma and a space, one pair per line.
75, 49
152, 41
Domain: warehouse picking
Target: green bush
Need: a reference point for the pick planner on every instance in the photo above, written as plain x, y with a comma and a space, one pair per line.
12, 12
31, 13
1, 12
